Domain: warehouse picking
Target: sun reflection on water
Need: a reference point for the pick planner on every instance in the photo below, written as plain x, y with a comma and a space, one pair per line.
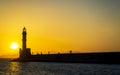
14, 68
20, 68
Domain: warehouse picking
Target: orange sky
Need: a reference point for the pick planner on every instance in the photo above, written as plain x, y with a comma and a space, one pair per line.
60, 25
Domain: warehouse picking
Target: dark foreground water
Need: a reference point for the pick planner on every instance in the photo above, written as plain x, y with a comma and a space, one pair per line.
46, 68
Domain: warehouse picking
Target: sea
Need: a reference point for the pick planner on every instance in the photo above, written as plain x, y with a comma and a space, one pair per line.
53, 68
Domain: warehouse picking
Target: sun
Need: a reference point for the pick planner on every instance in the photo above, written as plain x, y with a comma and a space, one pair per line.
14, 45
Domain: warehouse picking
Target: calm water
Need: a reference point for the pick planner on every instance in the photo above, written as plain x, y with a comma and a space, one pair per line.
46, 68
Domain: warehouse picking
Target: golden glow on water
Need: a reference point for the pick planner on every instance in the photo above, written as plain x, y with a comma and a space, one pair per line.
45, 68
14, 68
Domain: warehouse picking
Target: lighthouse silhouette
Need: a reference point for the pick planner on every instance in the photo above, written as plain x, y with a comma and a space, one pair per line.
24, 52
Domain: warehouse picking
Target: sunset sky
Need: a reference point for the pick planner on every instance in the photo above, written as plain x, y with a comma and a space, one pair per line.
60, 25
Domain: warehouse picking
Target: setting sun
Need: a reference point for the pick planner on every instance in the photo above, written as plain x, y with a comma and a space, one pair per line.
14, 45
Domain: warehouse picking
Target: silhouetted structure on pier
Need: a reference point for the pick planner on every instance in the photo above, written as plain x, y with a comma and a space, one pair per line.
24, 52
100, 57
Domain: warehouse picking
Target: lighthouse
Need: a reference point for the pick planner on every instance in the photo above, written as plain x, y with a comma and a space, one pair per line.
24, 51
24, 39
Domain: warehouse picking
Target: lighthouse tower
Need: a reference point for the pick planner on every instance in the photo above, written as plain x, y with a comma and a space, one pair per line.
24, 52
24, 39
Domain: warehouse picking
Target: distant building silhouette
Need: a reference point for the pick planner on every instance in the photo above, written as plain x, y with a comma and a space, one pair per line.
24, 52
70, 51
